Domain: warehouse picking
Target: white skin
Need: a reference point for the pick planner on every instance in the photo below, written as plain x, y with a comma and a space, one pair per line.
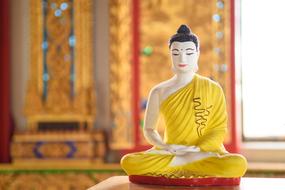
184, 56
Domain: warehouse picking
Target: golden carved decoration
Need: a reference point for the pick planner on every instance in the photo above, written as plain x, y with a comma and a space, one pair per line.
60, 101
81, 146
120, 72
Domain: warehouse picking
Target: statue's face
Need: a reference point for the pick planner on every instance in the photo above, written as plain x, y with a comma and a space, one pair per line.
184, 56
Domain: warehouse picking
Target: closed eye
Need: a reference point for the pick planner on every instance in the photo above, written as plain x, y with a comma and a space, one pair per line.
189, 53
175, 54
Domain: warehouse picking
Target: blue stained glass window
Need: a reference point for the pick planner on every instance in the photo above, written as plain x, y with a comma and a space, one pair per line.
57, 13
72, 41
45, 45
220, 4
45, 76
217, 17
53, 5
63, 6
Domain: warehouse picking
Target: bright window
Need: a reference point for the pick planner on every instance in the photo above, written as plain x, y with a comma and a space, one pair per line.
263, 68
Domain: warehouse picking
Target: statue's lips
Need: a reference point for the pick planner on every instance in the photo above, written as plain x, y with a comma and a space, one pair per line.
182, 65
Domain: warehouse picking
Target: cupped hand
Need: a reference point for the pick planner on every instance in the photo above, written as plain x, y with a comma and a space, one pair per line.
184, 148
180, 149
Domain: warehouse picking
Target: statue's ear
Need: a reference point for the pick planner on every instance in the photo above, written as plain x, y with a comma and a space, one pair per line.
198, 53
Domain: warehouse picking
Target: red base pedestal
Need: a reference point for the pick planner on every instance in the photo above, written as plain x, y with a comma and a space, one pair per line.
209, 181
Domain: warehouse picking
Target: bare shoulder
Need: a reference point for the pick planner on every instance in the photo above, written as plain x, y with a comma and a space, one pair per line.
160, 88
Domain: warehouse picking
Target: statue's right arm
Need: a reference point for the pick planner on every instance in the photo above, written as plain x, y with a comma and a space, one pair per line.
151, 119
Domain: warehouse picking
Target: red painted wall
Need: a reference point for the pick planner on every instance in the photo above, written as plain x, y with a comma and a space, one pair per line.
4, 81
136, 69
233, 146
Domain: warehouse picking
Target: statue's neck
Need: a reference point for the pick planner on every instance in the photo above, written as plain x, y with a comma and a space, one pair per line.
184, 78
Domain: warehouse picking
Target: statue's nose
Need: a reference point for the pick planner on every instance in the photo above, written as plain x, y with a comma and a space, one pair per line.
183, 57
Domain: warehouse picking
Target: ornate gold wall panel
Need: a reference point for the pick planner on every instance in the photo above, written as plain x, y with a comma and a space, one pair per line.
120, 72
60, 86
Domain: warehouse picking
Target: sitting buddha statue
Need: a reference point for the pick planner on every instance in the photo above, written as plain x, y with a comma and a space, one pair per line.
194, 111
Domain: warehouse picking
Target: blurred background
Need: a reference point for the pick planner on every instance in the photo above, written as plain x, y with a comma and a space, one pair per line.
75, 76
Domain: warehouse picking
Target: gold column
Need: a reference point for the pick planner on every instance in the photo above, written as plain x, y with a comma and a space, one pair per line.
120, 72
33, 102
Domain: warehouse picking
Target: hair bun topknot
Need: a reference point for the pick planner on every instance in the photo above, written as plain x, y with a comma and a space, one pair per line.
184, 34
184, 29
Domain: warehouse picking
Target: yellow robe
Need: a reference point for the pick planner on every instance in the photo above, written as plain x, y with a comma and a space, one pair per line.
195, 115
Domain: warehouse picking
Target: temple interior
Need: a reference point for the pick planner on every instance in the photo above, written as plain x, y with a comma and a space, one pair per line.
76, 74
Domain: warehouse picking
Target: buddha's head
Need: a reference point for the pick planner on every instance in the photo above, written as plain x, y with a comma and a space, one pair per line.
184, 50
